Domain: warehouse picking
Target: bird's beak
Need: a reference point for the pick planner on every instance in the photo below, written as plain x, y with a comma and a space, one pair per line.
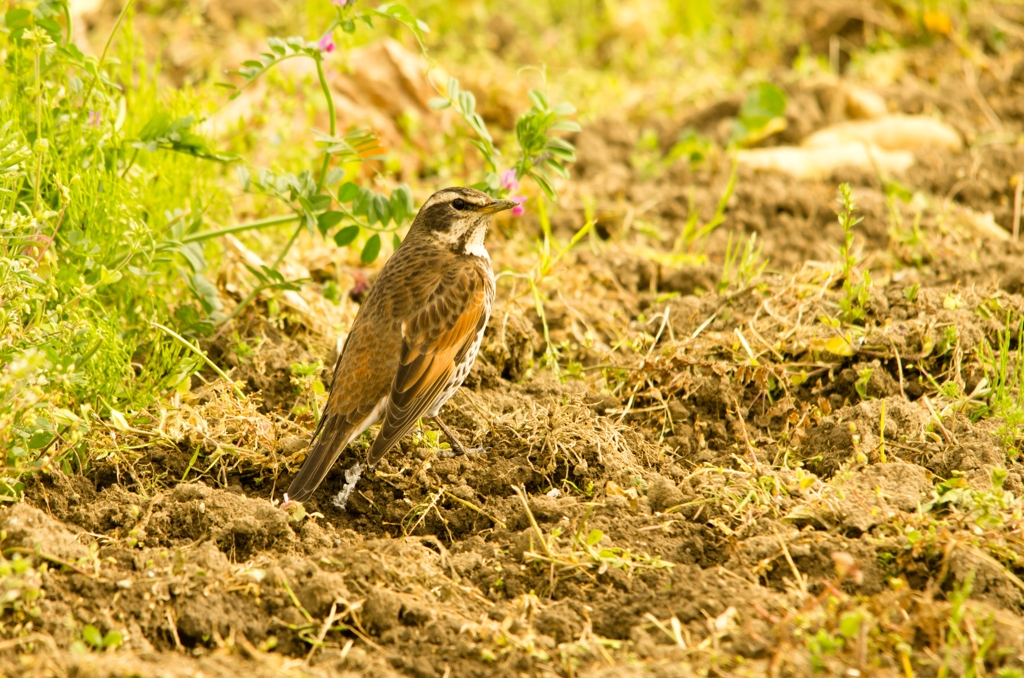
499, 206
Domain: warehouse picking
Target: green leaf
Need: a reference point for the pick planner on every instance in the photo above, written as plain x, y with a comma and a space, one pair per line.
309, 221
16, 18
565, 126
347, 192
484, 149
258, 274
271, 274
563, 109
761, 106
370, 209
91, 635
383, 209
65, 417
206, 292
849, 624
401, 198
467, 102
112, 639
334, 175
193, 253
243, 176
557, 168
594, 537
363, 202
403, 16
397, 206
163, 132
371, 249
109, 277
40, 440
561, 144
345, 236
562, 154
544, 183
840, 346
439, 103
329, 220
319, 203
477, 123
396, 242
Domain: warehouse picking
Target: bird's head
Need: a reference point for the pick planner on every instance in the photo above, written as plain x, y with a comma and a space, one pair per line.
457, 218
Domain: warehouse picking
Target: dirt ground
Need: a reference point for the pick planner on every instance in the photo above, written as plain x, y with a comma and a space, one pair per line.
713, 486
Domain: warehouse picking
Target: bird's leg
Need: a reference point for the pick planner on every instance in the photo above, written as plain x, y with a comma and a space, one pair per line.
457, 446
452, 438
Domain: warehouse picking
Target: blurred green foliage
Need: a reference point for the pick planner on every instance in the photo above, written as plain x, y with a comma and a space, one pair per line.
92, 214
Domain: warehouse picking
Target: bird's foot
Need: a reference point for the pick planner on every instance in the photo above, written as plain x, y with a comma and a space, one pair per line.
457, 448
352, 476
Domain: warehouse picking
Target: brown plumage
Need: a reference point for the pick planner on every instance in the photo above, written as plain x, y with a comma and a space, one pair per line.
416, 335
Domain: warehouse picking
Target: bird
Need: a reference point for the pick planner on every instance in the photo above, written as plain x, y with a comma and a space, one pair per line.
415, 336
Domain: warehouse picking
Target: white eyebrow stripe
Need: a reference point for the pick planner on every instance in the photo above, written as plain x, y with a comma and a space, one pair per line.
447, 196
439, 197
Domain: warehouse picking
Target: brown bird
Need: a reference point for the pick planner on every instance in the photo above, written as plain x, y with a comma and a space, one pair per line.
415, 336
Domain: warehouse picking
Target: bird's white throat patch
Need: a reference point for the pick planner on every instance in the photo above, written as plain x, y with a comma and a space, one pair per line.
477, 249
471, 245
475, 241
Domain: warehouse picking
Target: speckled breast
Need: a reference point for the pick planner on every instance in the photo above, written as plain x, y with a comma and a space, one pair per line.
463, 368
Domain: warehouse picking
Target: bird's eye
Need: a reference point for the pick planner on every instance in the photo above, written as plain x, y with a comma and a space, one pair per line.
459, 204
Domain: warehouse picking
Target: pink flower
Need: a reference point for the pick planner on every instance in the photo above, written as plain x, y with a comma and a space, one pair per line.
342, 3
509, 182
326, 43
94, 118
518, 210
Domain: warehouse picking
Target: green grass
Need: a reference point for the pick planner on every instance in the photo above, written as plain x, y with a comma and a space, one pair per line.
91, 220
1004, 374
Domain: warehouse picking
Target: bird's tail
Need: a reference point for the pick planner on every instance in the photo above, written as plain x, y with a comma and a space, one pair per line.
331, 437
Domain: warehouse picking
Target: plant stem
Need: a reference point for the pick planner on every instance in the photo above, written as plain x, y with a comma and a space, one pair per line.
287, 246
195, 349
327, 156
103, 54
67, 17
332, 118
130, 163
241, 306
241, 228
39, 133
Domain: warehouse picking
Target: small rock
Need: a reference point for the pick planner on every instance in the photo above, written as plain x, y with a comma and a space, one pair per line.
664, 494
380, 611
863, 104
292, 444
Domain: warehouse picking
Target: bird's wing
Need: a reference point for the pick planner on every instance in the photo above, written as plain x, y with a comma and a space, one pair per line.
434, 342
362, 377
